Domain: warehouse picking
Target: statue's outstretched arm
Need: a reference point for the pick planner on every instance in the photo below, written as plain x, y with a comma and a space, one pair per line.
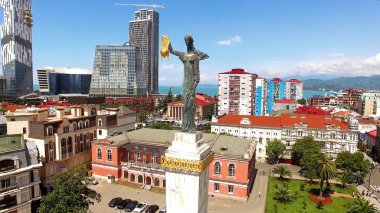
177, 53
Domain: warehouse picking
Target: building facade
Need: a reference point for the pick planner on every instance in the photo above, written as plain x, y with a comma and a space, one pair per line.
3, 86
144, 33
284, 106
19, 175
57, 80
369, 104
276, 91
260, 96
334, 136
117, 72
204, 108
236, 92
135, 158
16, 46
294, 88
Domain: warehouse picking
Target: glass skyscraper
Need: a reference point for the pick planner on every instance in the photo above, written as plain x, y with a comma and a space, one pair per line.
144, 33
16, 46
117, 72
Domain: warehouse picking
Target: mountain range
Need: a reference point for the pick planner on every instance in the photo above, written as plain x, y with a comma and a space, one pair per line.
336, 84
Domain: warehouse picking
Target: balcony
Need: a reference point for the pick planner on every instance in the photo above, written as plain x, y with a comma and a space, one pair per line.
8, 188
143, 166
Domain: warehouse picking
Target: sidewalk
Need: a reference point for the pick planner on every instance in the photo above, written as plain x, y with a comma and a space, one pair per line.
261, 185
372, 200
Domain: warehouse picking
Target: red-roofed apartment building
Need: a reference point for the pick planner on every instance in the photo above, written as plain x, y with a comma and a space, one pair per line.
294, 88
335, 136
204, 105
236, 92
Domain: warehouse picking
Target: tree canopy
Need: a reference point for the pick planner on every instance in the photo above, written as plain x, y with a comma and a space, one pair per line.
354, 164
70, 192
275, 149
304, 147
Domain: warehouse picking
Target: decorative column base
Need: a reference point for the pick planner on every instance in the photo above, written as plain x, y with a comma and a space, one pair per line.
187, 172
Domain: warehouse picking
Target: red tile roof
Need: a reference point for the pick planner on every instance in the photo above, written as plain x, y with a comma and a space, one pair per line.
373, 133
262, 121
13, 108
236, 71
293, 80
284, 120
285, 101
276, 80
310, 110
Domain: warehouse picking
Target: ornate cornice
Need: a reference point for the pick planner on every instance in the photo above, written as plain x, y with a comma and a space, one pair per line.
179, 164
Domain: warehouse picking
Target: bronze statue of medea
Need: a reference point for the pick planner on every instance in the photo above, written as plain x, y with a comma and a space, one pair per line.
190, 60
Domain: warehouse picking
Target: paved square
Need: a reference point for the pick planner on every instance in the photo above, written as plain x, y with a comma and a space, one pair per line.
109, 191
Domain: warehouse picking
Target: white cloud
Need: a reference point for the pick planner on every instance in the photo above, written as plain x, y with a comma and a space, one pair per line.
235, 39
168, 67
336, 65
162, 78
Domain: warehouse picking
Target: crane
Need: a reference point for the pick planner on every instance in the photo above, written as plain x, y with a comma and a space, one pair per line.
142, 5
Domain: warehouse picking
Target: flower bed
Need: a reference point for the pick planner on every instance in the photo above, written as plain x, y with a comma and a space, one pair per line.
316, 199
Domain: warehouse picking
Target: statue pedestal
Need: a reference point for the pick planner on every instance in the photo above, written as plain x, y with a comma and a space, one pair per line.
187, 170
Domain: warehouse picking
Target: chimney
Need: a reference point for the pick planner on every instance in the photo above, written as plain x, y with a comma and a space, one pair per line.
42, 114
60, 112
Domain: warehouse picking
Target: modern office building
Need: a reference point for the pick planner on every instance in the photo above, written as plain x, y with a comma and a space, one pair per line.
61, 80
117, 72
3, 86
144, 33
236, 92
276, 91
16, 46
294, 89
260, 96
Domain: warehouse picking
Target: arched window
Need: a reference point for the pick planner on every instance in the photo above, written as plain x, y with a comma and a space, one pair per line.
231, 170
109, 155
140, 179
126, 174
63, 146
132, 178
156, 182
100, 122
69, 145
217, 168
100, 153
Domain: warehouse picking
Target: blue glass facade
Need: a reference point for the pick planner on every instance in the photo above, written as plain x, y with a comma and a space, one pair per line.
276, 91
60, 83
259, 101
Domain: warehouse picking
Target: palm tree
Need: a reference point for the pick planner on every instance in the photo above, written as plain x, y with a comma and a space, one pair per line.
325, 170
282, 171
345, 177
361, 206
282, 193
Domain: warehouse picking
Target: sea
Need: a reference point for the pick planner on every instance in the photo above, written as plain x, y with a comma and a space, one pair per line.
211, 89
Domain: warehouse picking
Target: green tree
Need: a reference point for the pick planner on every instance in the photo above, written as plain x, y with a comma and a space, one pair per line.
326, 170
275, 149
178, 97
141, 116
307, 164
361, 206
305, 146
345, 177
282, 193
70, 192
353, 163
301, 101
282, 171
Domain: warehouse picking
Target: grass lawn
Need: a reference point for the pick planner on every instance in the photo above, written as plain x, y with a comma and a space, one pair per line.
339, 204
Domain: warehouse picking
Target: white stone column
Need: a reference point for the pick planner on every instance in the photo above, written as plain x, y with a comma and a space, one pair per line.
187, 171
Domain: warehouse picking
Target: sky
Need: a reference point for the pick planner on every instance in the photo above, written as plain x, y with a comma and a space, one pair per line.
273, 38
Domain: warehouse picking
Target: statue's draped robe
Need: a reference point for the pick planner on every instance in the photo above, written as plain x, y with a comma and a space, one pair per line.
190, 61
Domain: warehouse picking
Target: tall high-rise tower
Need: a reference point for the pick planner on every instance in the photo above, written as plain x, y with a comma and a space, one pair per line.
143, 33
16, 46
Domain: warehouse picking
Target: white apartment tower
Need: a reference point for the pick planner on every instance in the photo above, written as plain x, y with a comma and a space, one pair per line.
294, 89
236, 92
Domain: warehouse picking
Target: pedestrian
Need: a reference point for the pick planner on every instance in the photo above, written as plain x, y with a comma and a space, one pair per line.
263, 172
259, 194
353, 194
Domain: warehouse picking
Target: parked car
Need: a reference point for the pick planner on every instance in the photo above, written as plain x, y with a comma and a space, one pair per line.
114, 201
141, 207
130, 206
162, 210
152, 209
123, 203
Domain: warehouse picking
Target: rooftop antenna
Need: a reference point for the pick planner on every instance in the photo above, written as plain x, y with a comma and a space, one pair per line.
154, 6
